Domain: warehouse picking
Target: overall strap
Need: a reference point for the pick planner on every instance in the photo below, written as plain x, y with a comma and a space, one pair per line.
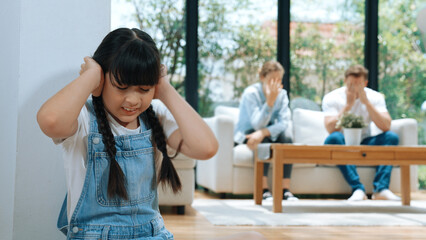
62, 223
143, 121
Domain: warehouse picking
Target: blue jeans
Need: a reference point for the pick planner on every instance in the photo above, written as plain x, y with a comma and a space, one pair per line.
383, 172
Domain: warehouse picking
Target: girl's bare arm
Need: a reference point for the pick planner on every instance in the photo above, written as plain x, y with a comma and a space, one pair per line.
57, 117
199, 141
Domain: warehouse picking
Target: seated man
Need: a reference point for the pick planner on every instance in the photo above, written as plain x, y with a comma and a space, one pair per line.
264, 117
356, 98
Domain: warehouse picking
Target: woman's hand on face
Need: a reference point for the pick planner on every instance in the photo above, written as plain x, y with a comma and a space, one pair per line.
91, 66
163, 82
272, 89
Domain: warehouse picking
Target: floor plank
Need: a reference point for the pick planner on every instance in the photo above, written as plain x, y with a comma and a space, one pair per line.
193, 226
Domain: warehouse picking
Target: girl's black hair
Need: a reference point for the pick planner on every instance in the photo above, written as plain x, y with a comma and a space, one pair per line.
132, 58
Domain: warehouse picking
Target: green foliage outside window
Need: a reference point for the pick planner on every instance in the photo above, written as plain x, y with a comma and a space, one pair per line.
238, 50
164, 20
402, 66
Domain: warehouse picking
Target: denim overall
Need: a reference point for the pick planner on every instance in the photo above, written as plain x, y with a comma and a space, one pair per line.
97, 216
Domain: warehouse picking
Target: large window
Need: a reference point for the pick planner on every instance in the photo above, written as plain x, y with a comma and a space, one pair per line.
164, 21
402, 60
325, 38
402, 64
235, 38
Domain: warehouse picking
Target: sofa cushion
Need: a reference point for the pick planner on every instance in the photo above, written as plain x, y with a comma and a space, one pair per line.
232, 112
308, 127
181, 161
243, 156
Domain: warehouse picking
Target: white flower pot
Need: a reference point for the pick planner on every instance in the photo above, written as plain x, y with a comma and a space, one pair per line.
352, 136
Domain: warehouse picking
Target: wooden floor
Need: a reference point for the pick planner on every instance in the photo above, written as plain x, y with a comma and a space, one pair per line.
193, 225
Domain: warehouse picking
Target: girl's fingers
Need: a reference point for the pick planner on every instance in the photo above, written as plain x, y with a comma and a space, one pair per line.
163, 70
83, 66
163, 82
88, 59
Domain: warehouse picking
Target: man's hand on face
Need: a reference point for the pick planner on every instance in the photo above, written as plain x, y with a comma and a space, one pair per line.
360, 84
351, 93
355, 89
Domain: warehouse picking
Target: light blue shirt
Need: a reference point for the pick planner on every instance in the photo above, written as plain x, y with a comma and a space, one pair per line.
256, 114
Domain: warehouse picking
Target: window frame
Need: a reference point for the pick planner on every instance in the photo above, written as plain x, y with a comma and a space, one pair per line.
371, 46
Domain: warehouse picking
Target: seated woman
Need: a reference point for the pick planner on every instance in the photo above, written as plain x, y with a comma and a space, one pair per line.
264, 117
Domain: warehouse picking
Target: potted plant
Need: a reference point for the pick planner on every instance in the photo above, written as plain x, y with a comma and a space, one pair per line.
352, 128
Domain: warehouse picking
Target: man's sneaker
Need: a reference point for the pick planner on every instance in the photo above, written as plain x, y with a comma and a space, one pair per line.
287, 195
267, 195
358, 195
385, 194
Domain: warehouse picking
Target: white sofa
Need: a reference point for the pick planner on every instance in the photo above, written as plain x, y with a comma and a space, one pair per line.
185, 169
231, 169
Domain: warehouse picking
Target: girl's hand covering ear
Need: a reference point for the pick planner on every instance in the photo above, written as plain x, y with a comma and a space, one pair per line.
163, 82
91, 65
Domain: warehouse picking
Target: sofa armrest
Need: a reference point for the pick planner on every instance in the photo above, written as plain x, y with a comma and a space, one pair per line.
216, 172
185, 169
406, 130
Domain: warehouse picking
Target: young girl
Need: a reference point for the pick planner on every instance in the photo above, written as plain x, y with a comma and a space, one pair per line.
109, 140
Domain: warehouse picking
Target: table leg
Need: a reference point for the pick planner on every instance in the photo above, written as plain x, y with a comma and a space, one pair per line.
405, 185
258, 174
277, 176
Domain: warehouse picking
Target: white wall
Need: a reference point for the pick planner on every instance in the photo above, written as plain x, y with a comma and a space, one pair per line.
42, 46
9, 68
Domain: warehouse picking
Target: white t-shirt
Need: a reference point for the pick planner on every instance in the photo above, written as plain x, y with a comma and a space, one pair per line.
335, 101
75, 148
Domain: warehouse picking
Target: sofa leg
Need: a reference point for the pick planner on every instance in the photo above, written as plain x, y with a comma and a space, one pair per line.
181, 210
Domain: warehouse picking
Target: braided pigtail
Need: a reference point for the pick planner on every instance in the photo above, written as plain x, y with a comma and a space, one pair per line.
168, 172
116, 180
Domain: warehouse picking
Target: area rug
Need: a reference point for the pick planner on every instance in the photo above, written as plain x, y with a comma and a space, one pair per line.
312, 213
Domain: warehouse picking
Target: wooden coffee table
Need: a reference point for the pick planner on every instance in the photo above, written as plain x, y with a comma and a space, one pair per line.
336, 154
